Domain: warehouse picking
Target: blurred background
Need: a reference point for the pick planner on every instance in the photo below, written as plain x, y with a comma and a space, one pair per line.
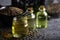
51, 5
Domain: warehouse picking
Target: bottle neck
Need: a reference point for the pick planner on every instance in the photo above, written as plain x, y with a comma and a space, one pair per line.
42, 10
29, 11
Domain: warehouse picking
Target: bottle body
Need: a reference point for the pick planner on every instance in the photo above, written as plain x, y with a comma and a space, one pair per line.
20, 27
41, 19
31, 21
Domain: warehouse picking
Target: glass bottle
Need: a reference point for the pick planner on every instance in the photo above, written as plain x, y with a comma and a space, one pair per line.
19, 26
41, 17
31, 18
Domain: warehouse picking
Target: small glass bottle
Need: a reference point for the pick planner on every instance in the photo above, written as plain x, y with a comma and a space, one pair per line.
31, 18
19, 26
41, 17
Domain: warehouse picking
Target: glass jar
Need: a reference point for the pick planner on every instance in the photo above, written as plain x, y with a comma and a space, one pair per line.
19, 26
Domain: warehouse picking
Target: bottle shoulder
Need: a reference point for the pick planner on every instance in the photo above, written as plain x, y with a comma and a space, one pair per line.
41, 13
45, 13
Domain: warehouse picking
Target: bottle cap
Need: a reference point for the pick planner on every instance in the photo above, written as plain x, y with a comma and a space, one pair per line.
42, 7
